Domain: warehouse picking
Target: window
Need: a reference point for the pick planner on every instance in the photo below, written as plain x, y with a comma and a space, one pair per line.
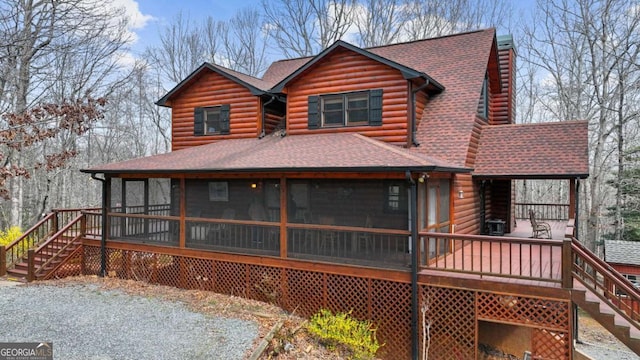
212, 123
483, 103
212, 120
347, 109
396, 198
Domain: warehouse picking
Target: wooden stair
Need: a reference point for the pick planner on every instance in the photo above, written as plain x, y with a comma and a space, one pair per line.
20, 269
600, 311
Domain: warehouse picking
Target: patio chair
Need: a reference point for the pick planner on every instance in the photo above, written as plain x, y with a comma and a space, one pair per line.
539, 229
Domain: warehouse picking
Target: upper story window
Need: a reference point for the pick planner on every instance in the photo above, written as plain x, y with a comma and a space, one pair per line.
211, 120
346, 109
483, 103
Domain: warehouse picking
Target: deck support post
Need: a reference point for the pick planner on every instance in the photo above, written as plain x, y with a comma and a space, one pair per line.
31, 258
3, 260
415, 305
567, 263
106, 184
577, 205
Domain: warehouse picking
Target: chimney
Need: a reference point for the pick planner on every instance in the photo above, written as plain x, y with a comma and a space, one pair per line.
505, 102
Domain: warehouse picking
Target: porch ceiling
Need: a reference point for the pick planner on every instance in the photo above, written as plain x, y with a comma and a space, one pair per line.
274, 153
557, 150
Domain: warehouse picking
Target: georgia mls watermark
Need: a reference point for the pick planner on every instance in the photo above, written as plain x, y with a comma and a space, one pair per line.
26, 351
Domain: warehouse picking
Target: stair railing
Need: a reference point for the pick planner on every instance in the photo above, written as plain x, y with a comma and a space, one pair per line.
71, 234
607, 283
38, 233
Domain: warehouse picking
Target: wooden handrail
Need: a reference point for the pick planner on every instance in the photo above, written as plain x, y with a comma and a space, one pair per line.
60, 232
12, 249
497, 256
33, 272
626, 307
31, 229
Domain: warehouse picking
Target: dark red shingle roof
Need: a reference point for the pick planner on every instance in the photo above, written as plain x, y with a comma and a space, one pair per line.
330, 152
542, 150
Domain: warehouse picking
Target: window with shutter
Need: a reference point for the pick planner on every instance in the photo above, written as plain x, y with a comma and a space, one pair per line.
212, 120
346, 109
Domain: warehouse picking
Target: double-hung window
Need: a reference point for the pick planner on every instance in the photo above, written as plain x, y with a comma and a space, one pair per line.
211, 120
346, 109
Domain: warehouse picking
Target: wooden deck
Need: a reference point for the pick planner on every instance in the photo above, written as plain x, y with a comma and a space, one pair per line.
514, 258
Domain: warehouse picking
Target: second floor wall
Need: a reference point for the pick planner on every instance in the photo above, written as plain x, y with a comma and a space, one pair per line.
213, 97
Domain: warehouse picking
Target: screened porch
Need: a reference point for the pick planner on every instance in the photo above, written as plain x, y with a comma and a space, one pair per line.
353, 221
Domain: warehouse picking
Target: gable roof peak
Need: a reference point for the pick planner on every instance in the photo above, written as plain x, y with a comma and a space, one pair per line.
256, 86
407, 72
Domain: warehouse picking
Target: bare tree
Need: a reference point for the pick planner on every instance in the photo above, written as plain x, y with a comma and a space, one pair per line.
588, 53
424, 19
379, 22
185, 45
245, 43
305, 27
53, 52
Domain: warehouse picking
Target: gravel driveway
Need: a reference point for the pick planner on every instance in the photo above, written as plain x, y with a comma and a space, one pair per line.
86, 322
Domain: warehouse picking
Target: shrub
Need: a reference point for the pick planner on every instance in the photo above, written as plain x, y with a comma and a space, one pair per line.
9, 235
358, 337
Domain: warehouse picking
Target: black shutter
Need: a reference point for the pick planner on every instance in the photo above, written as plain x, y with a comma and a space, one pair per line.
375, 107
224, 119
198, 121
314, 113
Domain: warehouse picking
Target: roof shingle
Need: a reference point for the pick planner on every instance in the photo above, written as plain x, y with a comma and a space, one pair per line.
622, 252
543, 150
328, 152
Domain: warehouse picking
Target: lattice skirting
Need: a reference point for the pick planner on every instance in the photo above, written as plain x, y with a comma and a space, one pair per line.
451, 314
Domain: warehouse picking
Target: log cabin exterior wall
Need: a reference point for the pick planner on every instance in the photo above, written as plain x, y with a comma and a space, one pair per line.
421, 103
212, 89
346, 71
467, 209
503, 104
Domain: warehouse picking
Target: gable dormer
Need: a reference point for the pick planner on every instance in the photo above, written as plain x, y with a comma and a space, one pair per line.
349, 89
212, 104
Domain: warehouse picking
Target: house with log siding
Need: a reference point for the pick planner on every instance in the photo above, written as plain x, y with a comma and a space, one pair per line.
373, 180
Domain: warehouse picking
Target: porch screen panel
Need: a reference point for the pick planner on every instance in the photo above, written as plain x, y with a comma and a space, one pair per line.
353, 221
115, 204
136, 207
234, 215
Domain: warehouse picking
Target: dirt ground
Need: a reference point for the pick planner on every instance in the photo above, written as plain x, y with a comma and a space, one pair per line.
598, 343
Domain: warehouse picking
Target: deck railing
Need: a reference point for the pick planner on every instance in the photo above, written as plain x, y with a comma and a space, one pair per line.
383, 248
555, 212
493, 256
607, 283
38, 233
67, 238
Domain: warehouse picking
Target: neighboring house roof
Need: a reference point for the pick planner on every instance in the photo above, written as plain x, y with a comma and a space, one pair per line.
255, 85
622, 252
318, 152
406, 71
540, 150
